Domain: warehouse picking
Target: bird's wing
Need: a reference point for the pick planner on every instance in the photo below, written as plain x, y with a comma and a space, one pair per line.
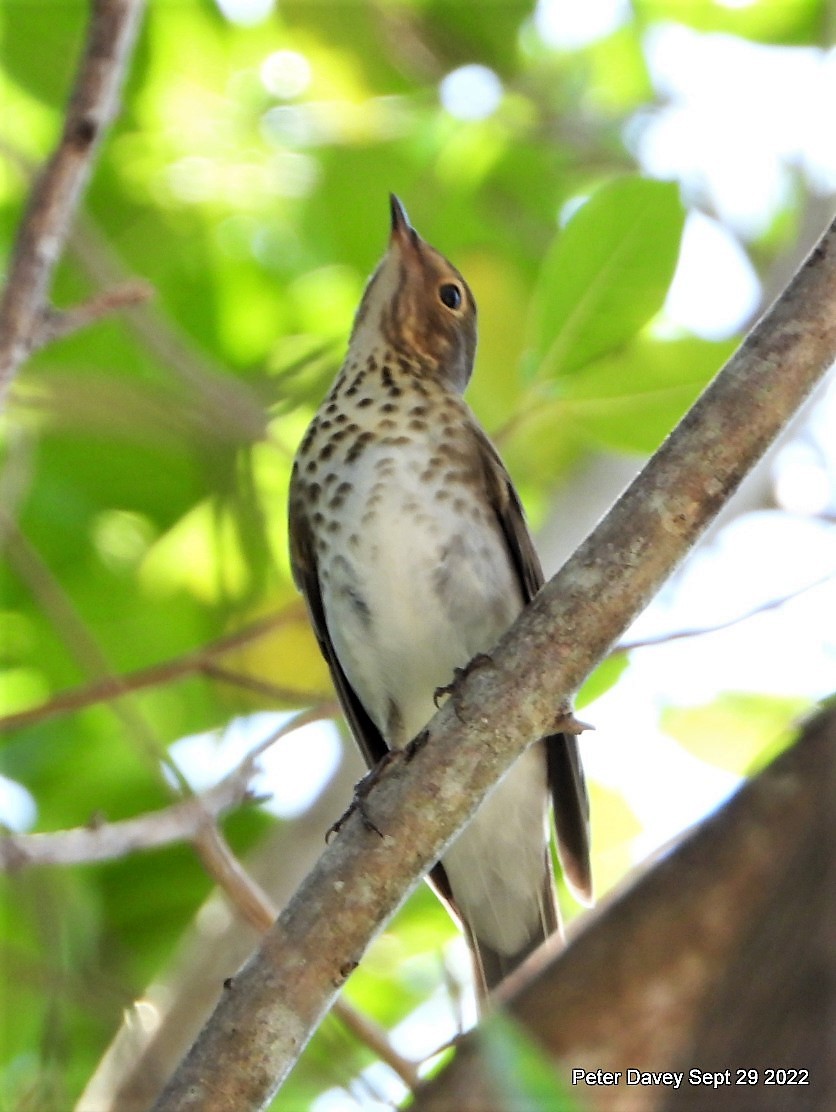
566, 778
305, 574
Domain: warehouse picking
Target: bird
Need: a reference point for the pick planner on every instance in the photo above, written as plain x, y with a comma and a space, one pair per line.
409, 544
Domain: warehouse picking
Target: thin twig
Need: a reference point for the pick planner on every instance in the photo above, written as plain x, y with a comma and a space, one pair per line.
177, 668
53, 202
247, 896
273, 691
700, 631
375, 1038
55, 323
104, 841
107, 841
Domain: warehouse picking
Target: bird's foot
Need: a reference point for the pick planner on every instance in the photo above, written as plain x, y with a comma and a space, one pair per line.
361, 791
459, 675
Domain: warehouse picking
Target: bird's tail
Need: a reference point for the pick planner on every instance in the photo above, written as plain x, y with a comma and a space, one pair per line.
490, 965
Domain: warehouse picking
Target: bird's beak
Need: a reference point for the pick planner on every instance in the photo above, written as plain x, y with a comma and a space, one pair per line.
403, 236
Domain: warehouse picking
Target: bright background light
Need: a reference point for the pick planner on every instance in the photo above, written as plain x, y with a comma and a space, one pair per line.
715, 290
293, 770
737, 140
245, 12
567, 26
471, 92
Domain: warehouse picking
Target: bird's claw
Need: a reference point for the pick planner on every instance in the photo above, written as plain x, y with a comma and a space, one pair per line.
459, 675
361, 791
358, 805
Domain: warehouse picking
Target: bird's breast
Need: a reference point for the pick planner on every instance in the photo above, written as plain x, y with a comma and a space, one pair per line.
414, 571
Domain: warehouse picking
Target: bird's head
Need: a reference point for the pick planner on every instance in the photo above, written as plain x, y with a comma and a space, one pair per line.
419, 306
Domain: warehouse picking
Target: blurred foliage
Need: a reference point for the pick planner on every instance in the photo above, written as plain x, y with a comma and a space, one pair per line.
737, 730
525, 1078
146, 460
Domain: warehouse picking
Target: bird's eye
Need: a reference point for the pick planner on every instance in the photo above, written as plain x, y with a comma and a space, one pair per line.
450, 295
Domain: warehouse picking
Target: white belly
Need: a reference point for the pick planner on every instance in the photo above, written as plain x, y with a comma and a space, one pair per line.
438, 588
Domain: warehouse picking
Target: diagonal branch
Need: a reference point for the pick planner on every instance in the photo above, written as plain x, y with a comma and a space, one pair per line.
254, 905
45, 226
268, 1012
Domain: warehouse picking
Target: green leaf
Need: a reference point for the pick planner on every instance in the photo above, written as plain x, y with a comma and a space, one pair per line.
738, 731
605, 676
606, 274
630, 400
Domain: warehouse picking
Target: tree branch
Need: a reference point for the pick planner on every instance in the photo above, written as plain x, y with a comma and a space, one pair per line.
721, 957
257, 909
52, 203
269, 1011
140, 1059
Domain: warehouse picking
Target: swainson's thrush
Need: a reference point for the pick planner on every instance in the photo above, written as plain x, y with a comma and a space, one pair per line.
409, 544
